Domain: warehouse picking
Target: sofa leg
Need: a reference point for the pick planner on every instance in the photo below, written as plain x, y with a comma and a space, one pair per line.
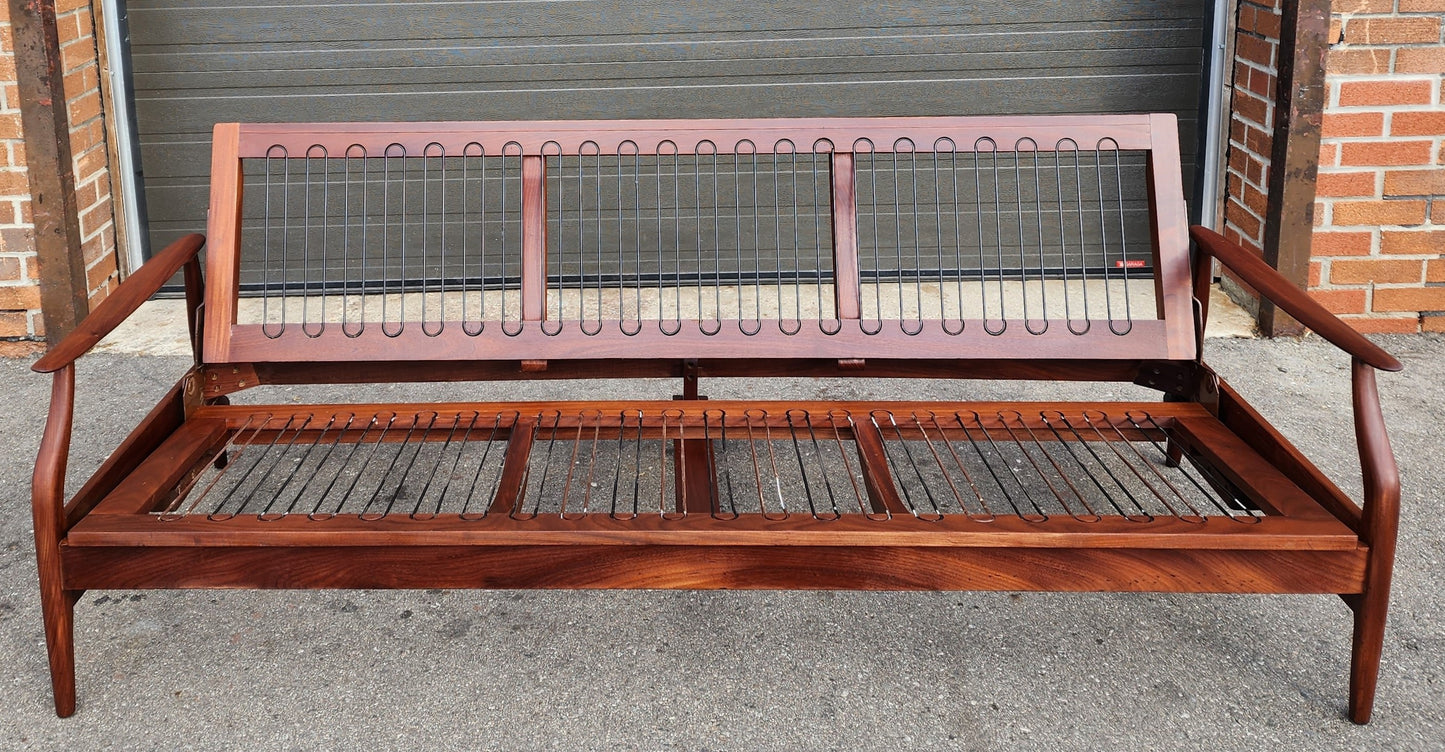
1368, 643
58, 607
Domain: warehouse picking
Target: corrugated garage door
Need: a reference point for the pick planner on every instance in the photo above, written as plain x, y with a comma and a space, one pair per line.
199, 62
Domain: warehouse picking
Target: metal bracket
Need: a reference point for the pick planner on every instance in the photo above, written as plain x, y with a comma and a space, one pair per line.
220, 380
1206, 389
1170, 377
191, 392
690, 373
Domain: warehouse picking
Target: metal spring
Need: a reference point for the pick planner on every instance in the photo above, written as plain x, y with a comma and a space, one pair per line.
632, 463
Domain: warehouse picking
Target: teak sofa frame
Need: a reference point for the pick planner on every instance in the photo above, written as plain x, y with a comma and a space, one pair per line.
899, 494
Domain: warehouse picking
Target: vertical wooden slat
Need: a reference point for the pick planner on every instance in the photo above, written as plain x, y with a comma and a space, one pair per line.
695, 473
877, 478
1170, 231
1295, 152
534, 238
845, 237
513, 484
45, 122
223, 241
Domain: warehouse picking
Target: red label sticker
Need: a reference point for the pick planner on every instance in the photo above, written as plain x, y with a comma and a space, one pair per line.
1130, 264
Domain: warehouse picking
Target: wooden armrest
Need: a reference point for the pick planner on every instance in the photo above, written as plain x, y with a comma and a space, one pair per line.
1272, 285
119, 305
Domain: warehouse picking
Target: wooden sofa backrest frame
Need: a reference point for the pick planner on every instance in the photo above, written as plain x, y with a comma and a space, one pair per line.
1169, 335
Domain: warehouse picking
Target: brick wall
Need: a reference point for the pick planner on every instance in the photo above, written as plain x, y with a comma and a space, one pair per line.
1381, 214
1251, 123
21, 325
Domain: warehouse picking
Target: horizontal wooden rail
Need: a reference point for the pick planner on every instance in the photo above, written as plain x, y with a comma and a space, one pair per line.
120, 304
1294, 301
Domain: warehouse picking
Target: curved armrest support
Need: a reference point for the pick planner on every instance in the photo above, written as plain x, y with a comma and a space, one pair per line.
1272, 285
119, 305
1378, 469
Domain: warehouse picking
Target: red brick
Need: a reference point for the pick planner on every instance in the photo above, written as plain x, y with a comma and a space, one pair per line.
1337, 31
1390, 325
1420, 60
1241, 75
95, 218
1316, 273
86, 194
14, 183
14, 324
1346, 61
1332, 184
1353, 213
90, 163
81, 81
1258, 141
1245, 20
1255, 50
21, 349
1412, 241
1400, 30
85, 25
1233, 184
1256, 171
1267, 24
1435, 270
1329, 155
94, 249
1247, 223
63, 7
1437, 213
17, 239
1249, 244
77, 54
1368, 93
1340, 301
1409, 299
22, 298
96, 276
11, 270
1383, 271
85, 107
1354, 153
1362, 7
1255, 200
10, 125
1429, 182
1261, 82
1251, 108
1345, 124
1432, 323
1418, 123
1422, 6
1341, 243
